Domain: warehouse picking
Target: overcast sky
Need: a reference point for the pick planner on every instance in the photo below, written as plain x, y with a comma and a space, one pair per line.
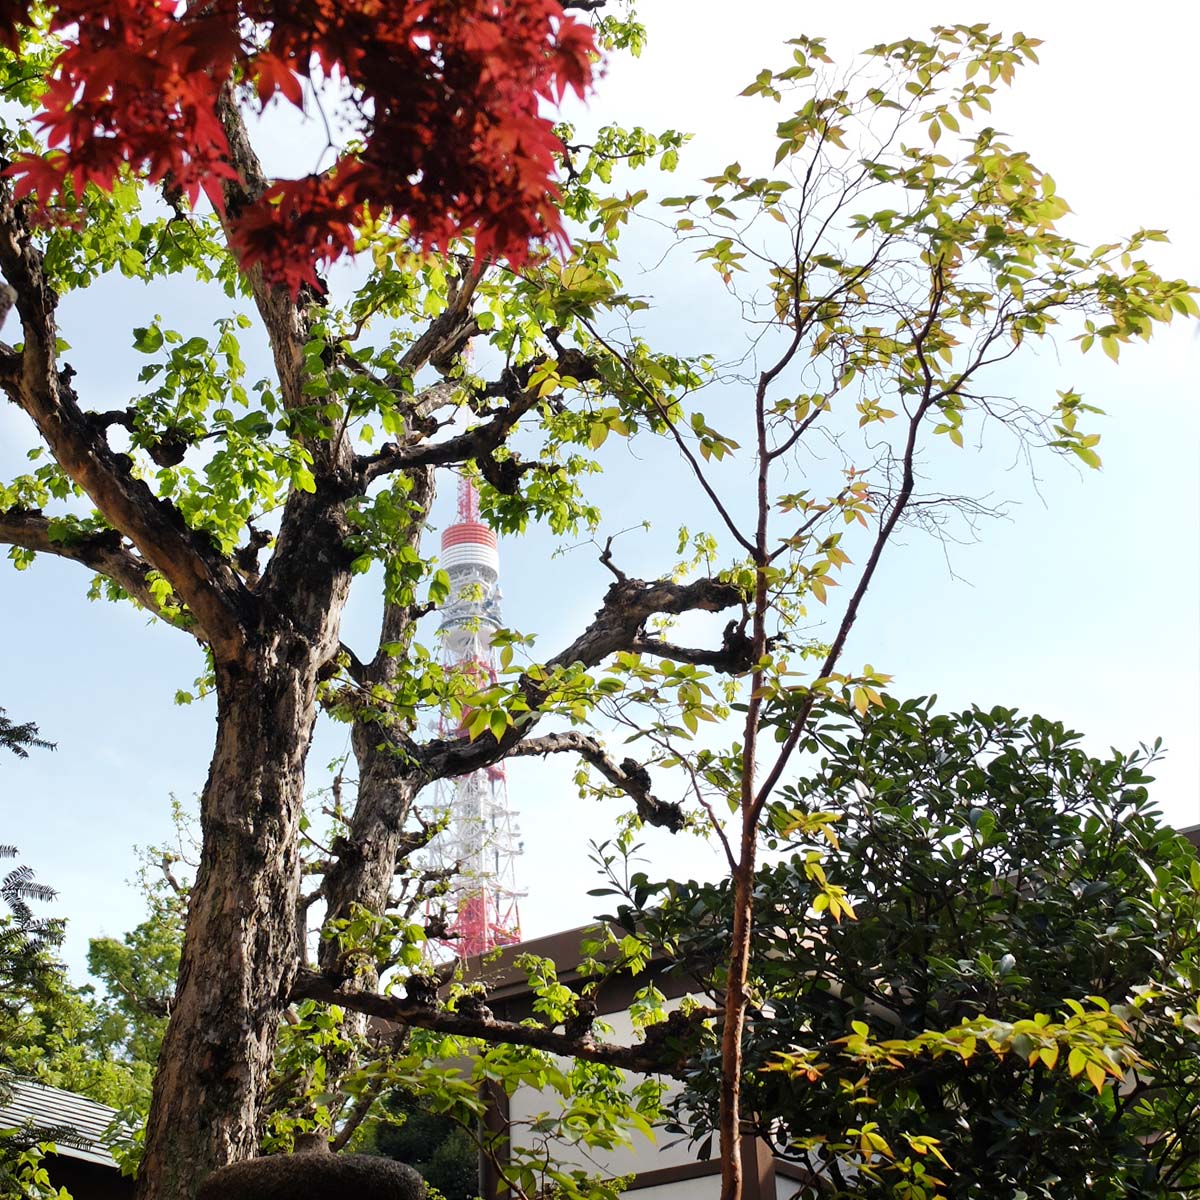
1082, 605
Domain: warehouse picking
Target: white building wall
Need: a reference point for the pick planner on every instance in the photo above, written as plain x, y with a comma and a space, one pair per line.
666, 1150
707, 1188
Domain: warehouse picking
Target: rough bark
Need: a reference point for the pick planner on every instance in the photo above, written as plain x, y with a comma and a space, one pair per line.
364, 861
239, 954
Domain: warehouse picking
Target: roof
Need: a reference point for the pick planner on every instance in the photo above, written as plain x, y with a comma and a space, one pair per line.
498, 970
52, 1108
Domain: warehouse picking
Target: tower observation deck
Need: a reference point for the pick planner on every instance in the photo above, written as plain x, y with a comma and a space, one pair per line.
479, 844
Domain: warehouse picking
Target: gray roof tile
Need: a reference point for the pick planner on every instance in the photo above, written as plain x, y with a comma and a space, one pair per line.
53, 1108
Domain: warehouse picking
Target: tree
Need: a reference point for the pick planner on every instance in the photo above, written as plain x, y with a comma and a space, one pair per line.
445, 1154
49, 1030
30, 985
330, 463
20, 739
995, 868
28, 970
45, 1024
138, 976
138, 972
901, 273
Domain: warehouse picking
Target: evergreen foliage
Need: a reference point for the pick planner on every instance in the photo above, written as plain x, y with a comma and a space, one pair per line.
994, 867
20, 738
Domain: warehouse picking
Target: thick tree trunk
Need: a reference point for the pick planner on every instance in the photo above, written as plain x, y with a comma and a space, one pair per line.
240, 949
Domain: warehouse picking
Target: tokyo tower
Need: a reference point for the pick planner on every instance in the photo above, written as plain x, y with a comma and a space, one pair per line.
479, 845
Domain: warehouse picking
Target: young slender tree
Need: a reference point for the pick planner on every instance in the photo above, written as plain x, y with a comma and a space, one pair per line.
898, 254
894, 277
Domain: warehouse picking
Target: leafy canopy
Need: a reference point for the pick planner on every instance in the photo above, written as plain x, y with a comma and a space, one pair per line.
437, 108
1008, 890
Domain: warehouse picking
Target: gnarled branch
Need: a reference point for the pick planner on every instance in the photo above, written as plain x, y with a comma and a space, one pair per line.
735, 656
209, 587
630, 776
102, 552
646, 1059
628, 605
480, 442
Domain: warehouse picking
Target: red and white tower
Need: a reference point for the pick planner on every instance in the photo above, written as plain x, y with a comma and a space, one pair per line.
480, 840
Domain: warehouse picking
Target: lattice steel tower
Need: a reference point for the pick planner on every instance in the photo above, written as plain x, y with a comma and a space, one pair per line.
480, 841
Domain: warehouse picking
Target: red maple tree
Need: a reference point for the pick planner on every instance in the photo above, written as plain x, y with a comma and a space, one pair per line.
443, 97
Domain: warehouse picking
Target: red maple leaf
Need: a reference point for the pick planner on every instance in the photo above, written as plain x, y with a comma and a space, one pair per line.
444, 94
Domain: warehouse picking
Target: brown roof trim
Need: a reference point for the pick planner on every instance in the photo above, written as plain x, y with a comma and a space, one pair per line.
1192, 833
759, 1173
676, 1174
499, 972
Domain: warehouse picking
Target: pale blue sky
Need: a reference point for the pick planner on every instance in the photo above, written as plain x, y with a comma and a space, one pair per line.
1082, 605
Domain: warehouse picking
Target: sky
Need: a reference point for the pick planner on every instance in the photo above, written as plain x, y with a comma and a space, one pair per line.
1081, 604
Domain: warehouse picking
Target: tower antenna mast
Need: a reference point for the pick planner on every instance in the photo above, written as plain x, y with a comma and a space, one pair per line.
479, 845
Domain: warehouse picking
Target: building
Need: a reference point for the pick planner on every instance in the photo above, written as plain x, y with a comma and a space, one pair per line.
663, 1170
87, 1170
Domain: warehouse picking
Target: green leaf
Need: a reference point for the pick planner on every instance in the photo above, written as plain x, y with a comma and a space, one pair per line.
148, 340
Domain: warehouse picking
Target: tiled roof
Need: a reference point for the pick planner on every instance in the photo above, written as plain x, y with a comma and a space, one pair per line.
49, 1107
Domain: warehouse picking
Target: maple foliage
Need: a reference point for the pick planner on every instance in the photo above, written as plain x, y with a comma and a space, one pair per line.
443, 100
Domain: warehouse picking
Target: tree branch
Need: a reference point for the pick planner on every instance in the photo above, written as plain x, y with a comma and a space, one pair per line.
204, 581
645, 1059
101, 552
735, 656
628, 605
480, 442
447, 334
631, 777
284, 319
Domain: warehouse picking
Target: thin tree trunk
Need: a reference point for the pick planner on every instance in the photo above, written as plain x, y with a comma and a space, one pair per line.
750, 805
364, 862
734, 1026
240, 948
